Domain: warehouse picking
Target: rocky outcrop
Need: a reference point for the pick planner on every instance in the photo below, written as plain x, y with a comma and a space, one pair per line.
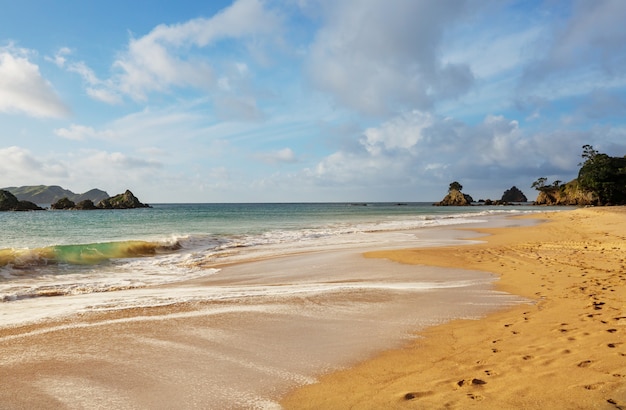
122, 201
86, 205
63, 203
568, 194
9, 202
513, 195
455, 198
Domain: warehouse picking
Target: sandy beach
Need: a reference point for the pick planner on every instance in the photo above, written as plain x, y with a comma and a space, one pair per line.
239, 337
567, 349
380, 330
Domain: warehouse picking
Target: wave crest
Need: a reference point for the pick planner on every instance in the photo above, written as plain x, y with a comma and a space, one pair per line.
83, 254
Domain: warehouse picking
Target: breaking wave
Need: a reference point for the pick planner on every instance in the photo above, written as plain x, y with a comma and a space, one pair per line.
83, 254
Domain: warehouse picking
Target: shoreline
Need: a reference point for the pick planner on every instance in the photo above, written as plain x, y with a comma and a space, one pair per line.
240, 338
567, 350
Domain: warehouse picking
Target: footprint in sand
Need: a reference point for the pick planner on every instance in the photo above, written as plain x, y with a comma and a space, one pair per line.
417, 395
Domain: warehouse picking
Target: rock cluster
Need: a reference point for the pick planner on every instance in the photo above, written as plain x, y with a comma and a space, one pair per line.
122, 201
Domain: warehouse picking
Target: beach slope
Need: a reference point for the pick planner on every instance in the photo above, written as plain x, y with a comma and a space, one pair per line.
565, 350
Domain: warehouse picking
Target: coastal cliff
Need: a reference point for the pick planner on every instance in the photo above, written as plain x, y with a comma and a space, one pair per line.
567, 194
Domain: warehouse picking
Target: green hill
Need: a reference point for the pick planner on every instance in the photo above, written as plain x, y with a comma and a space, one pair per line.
48, 194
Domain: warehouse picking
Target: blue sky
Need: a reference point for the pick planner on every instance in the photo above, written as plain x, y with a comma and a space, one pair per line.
307, 100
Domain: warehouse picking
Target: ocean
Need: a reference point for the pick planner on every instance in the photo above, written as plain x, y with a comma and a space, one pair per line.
222, 305
70, 252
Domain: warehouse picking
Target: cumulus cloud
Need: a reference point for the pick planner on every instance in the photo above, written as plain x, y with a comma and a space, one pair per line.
424, 148
23, 89
380, 59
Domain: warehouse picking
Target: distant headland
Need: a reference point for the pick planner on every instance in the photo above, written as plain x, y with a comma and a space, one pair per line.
31, 198
601, 181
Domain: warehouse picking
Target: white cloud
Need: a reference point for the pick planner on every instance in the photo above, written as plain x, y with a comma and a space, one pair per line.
105, 95
506, 49
60, 57
402, 132
18, 166
164, 57
80, 132
584, 54
231, 107
80, 170
379, 59
285, 155
23, 89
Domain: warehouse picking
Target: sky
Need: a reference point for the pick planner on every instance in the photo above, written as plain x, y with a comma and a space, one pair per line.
307, 100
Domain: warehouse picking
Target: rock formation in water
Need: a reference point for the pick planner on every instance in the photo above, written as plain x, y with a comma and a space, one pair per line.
455, 198
63, 203
9, 202
514, 195
122, 201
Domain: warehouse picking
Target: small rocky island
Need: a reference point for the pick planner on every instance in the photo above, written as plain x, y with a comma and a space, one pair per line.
10, 202
455, 197
122, 201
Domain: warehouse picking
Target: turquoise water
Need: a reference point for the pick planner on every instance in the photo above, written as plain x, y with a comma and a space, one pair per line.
163, 221
63, 252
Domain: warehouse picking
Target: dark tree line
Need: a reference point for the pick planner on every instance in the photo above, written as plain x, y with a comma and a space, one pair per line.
603, 175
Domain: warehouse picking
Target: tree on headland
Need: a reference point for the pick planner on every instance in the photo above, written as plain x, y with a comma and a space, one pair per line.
455, 186
601, 181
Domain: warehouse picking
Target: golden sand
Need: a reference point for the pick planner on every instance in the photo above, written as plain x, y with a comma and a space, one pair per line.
566, 350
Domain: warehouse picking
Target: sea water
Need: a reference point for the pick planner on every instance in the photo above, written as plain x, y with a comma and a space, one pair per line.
56, 253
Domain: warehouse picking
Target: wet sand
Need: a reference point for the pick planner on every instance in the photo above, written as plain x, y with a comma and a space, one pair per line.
565, 350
